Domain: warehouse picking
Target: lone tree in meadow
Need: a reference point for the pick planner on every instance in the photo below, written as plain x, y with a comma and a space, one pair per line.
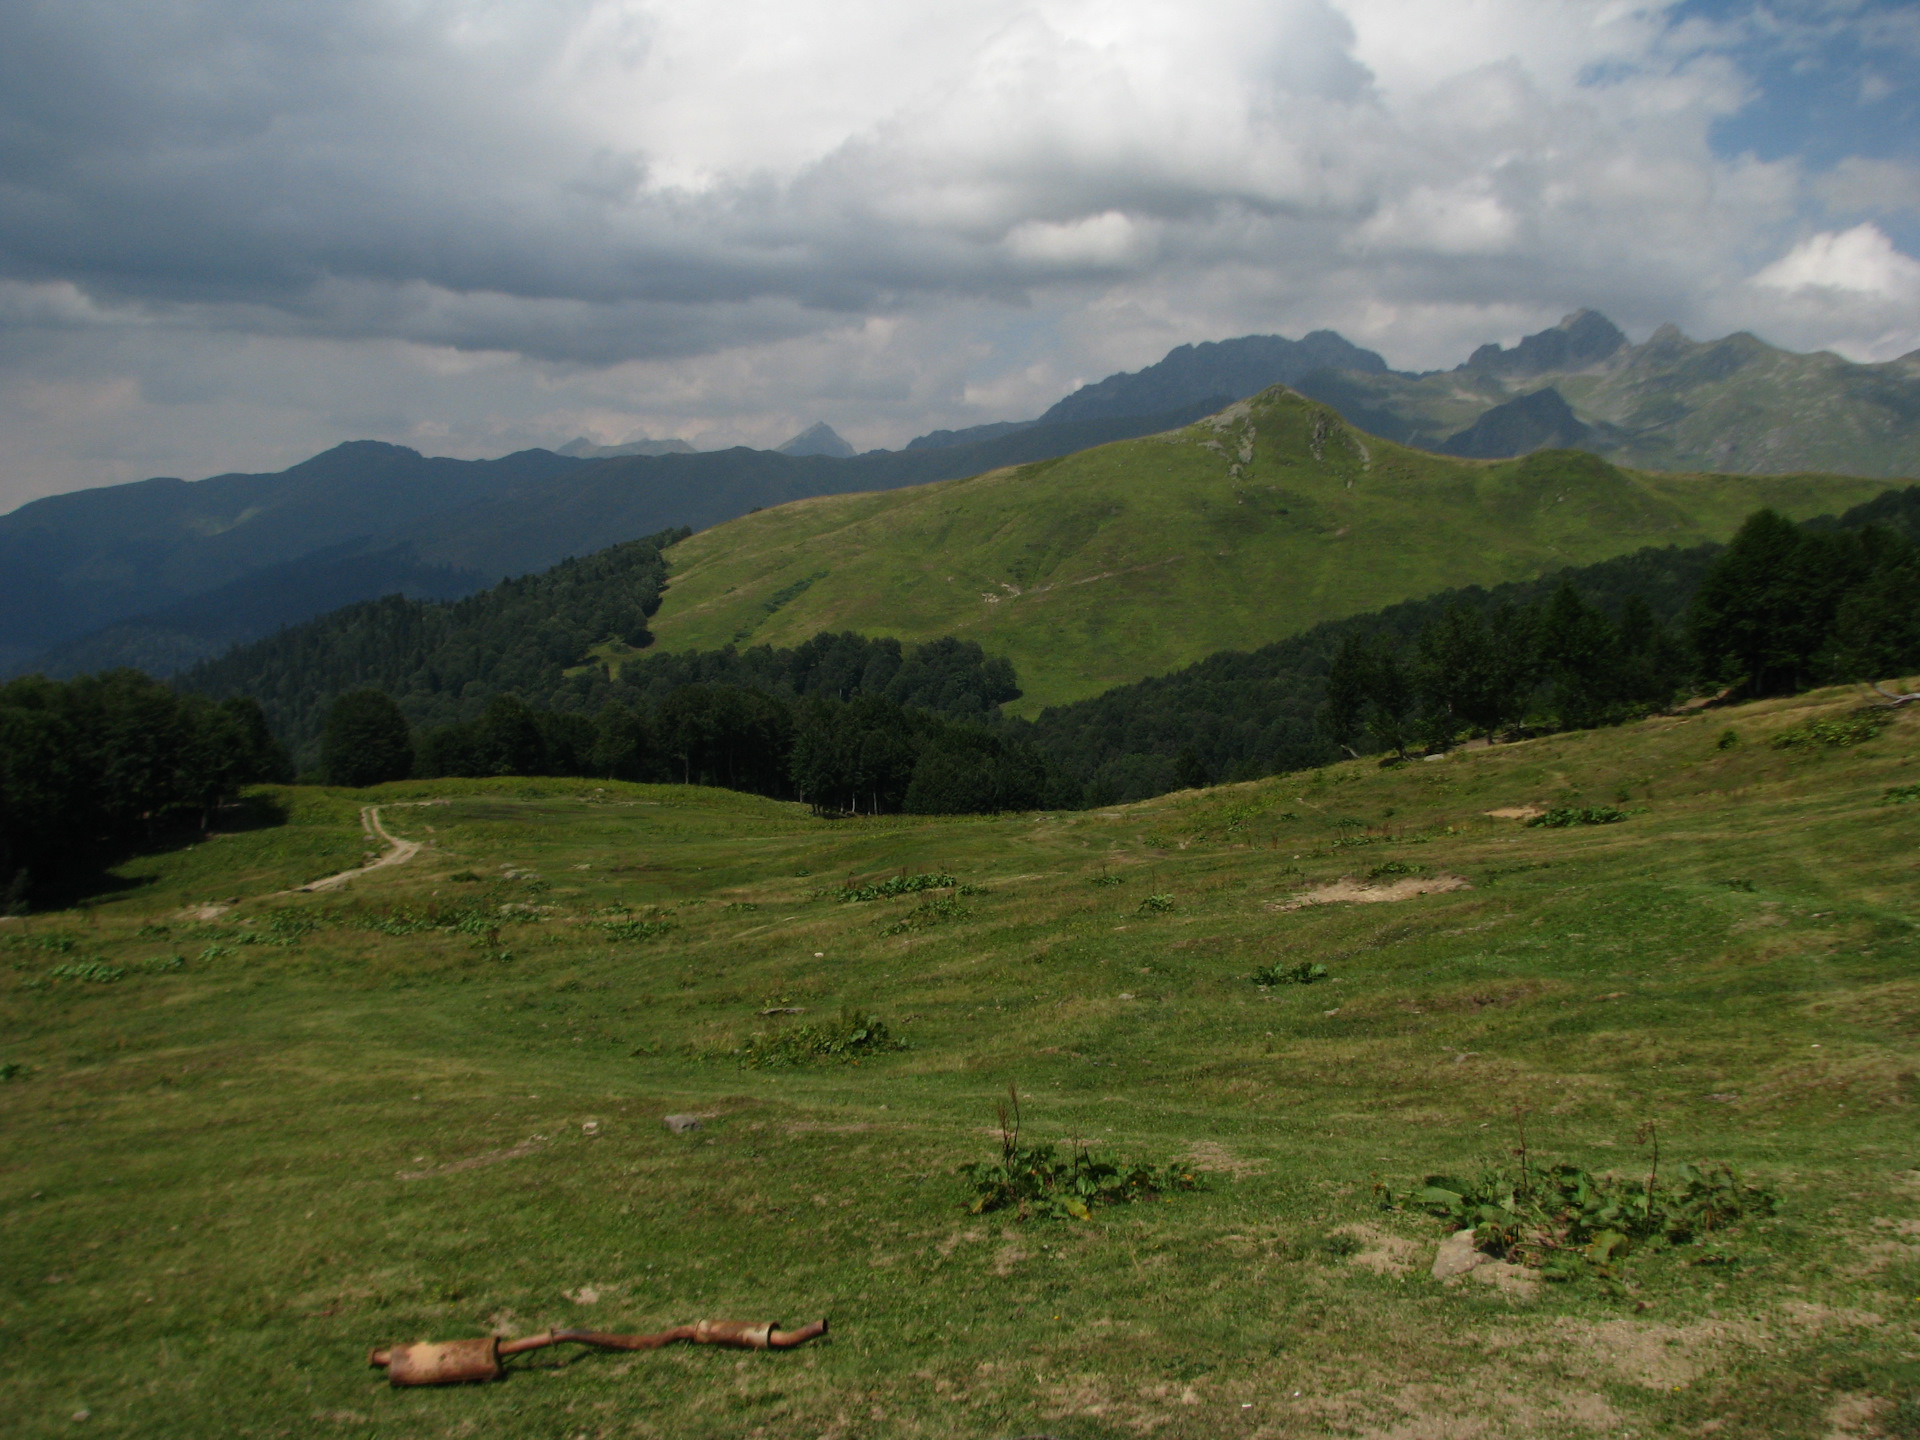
365, 741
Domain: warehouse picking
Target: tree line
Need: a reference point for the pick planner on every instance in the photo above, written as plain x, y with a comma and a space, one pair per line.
93, 766
1781, 607
873, 728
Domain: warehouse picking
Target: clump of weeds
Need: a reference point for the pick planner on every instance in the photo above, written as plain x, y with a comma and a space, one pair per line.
1037, 1181
859, 1035
1568, 1222
1306, 972
1566, 815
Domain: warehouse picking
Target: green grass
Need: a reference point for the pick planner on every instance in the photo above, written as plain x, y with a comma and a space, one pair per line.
1139, 557
334, 1126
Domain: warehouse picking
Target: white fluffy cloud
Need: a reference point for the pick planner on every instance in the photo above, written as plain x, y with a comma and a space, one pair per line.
1860, 261
233, 234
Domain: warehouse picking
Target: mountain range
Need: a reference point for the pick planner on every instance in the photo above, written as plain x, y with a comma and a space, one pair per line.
161, 573
1734, 404
164, 572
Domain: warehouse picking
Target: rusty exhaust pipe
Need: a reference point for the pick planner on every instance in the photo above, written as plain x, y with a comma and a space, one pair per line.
459, 1362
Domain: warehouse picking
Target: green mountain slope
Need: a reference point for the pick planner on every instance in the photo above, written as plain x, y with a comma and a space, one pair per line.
1142, 556
1673, 403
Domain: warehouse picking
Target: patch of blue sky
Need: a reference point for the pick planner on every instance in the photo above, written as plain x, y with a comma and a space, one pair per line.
1831, 79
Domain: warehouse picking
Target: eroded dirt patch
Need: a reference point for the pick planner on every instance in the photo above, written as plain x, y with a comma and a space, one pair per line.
1380, 1252
1212, 1155
1350, 891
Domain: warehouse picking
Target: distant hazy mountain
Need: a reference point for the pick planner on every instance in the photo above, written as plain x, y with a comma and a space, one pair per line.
1735, 404
1217, 372
114, 567
973, 434
205, 625
1540, 421
818, 439
1229, 369
73, 564
581, 448
1582, 339
161, 573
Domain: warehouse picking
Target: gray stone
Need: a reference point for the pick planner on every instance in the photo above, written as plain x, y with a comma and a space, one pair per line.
1457, 1255
681, 1124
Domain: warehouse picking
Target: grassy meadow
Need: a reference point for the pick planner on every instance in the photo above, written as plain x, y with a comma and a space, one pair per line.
1139, 557
251, 1133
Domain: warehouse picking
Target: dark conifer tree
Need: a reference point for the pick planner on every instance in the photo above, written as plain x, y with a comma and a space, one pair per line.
507, 739
365, 741
1474, 673
1877, 624
623, 745
1764, 616
1579, 659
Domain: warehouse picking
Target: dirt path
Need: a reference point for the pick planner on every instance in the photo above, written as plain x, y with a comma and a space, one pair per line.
402, 851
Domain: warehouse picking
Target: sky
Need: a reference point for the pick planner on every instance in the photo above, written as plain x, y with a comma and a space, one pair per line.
234, 233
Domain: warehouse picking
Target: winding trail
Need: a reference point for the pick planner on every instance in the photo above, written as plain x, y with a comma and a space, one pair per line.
402, 851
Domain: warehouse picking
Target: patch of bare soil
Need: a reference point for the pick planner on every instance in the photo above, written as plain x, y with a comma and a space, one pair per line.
1212, 1155
1636, 1352
1347, 890
1516, 1282
1854, 1415
1463, 1412
473, 1162
1008, 1255
1515, 812
825, 1127
947, 1246
1810, 1317
1380, 1252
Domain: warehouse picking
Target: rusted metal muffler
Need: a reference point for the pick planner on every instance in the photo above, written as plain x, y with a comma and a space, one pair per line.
445, 1362
458, 1362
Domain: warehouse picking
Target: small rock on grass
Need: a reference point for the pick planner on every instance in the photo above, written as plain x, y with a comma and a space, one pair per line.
681, 1124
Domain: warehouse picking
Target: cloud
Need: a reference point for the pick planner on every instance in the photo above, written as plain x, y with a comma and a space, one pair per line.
1860, 261
1849, 291
725, 219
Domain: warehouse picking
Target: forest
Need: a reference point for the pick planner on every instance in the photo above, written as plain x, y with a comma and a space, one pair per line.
443, 660
92, 767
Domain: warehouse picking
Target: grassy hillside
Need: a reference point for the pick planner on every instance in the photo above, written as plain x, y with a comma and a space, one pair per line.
1142, 556
346, 1119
